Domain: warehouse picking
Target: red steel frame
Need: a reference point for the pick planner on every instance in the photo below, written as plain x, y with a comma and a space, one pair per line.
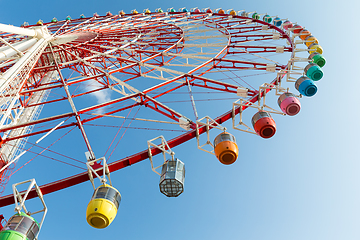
168, 37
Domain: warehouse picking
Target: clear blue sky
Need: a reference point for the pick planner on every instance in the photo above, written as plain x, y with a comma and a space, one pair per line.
301, 184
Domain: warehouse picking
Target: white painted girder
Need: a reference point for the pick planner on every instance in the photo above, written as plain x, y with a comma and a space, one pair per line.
17, 30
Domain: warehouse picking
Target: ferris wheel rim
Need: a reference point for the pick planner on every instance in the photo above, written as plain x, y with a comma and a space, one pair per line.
142, 155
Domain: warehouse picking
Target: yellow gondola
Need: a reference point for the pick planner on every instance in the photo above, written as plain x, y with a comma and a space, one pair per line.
103, 206
232, 12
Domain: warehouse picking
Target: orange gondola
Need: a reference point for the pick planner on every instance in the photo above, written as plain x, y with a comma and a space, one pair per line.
225, 148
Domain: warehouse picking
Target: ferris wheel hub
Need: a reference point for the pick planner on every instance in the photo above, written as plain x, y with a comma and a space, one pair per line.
81, 36
42, 32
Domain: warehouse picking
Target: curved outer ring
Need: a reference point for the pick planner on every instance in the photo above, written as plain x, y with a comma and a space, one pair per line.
138, 157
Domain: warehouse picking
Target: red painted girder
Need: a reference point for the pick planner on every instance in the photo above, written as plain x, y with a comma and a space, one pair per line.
169, 90
255, 65
166, 33
39, 88
213, 88
246, 28
69, 83
37, 121
250, 51
85, 110
159, 44
75, 25
236, 35
155, 108
244, 68
122, 69
111, 112
34, 80
253, 40
159, 107
161, 85
123, 60
48, 102
64, 24
236, 24
264, 49
40, 132
289, 49
162, 38
227, 87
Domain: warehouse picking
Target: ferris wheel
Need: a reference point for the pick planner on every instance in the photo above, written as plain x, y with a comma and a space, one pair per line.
124, 88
